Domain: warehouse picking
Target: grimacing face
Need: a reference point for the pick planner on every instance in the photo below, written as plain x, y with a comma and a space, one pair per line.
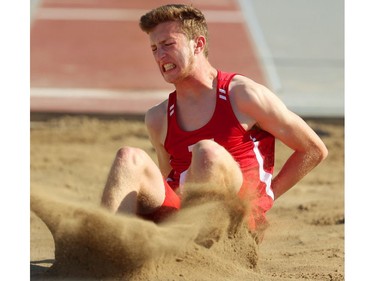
173, 51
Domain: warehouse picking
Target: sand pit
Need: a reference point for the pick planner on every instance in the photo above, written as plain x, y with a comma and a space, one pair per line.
70, 160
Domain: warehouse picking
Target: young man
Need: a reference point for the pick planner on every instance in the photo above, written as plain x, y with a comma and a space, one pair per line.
216, 128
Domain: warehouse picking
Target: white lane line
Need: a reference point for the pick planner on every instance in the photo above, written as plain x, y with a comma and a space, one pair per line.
261, 44
89, 14
96, 93
34, 6
95, 14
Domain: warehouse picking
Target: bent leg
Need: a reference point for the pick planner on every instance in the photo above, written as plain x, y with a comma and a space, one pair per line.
134, 184
211, 163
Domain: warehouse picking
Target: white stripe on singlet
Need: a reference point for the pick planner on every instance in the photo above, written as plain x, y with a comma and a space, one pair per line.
263, 175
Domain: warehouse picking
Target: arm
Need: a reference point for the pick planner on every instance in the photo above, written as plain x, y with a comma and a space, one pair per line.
156, 124
267, 110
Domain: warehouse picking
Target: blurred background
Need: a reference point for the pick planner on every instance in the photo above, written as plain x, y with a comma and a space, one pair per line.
90, 56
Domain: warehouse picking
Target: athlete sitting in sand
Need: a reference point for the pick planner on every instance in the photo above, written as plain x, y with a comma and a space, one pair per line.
216, 128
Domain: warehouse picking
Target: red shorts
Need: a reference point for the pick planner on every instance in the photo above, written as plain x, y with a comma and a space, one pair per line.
259, 202
171, 204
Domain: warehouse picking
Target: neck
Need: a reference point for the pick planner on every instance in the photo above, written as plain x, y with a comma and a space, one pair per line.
200, 80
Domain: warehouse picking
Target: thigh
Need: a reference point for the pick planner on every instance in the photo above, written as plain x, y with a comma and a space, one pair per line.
152, 189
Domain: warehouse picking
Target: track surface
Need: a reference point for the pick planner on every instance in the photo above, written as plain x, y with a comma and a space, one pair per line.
91, 56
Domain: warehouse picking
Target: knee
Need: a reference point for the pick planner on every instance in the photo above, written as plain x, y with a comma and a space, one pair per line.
207, 150
131, 156
212, 163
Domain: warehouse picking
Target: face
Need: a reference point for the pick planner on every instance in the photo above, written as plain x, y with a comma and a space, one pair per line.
173, 52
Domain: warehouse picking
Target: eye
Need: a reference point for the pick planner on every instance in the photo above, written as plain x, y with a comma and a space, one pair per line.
169, 44
153, 48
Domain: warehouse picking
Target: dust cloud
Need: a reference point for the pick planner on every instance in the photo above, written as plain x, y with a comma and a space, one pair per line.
93, 244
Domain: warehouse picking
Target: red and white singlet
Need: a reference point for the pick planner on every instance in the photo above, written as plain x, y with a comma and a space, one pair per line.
252, 149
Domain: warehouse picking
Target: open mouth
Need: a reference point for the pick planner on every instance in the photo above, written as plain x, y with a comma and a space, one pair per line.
168, 66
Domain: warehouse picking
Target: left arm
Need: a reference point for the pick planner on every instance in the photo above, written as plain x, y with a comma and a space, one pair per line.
267, 110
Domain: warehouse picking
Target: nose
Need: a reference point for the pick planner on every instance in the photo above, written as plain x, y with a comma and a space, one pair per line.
159, 54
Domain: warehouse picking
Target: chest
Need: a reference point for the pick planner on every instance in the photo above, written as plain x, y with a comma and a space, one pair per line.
195, 115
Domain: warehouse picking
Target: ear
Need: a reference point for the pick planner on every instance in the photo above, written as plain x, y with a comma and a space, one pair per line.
200, 43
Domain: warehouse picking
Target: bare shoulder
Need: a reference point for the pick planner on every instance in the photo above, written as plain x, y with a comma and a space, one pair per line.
254, 99
155, 114
156, 120
240, 82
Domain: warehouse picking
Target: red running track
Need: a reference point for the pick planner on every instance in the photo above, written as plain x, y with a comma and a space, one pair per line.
97, 47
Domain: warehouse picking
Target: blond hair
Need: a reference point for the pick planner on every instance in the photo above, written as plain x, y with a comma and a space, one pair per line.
192, 20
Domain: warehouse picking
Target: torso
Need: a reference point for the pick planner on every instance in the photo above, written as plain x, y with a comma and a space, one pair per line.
218, 122
222, 122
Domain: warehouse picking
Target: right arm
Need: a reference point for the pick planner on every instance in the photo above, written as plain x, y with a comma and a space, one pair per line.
156, 124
